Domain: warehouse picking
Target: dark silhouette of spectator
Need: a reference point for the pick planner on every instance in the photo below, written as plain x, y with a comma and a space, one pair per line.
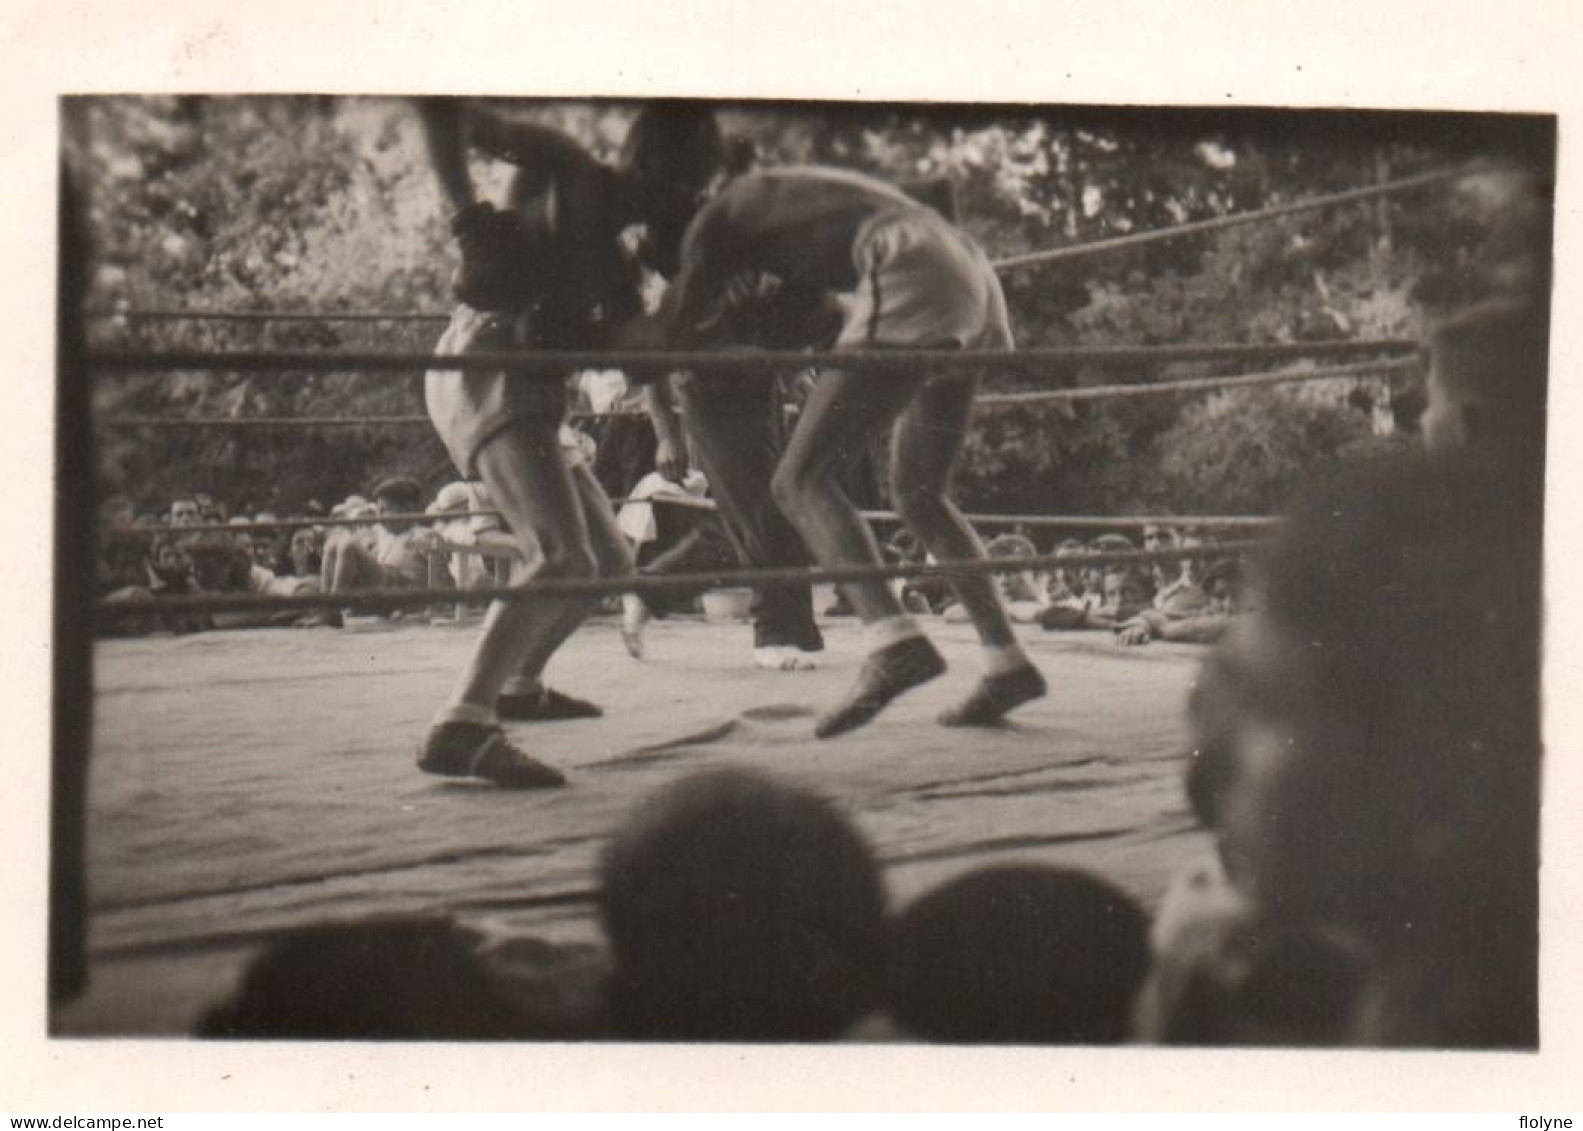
403, 980
121, 557
1019, 955
1367, 745
739, 908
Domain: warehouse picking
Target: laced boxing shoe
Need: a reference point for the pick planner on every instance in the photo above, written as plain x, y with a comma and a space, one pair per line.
473, 750
995, 697
885, 675
543, 706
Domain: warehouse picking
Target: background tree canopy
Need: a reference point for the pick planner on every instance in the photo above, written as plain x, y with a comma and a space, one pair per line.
299, 203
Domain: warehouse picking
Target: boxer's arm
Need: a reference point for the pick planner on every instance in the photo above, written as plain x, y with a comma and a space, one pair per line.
693, 299
670, 457
541, 153
443, 132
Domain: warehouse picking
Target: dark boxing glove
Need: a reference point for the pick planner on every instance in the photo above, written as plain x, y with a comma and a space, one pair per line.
501, 259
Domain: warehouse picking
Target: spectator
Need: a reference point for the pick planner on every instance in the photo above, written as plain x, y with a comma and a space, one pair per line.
1125, 591
739, 908
169, 568
1181, 595
1023, 593
303, 551
184, 511
170, 574
626, 447
394, 555
269, 546
457, 507
918, 594
414, 980
1368, 750
1066, 585
1488, 375
1159, 537
121, 570
1019, 954
210, 511
1193, 622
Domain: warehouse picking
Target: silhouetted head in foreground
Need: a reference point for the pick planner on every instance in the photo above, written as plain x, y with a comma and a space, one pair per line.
402, 980
1368, 746
1019, 955
740, 908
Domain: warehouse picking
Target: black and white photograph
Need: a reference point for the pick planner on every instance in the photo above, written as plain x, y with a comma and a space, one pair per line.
609, 570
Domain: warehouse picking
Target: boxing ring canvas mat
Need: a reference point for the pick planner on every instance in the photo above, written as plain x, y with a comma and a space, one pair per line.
245, 782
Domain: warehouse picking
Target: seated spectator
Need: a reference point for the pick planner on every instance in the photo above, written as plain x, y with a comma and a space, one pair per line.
740, 908
223, 563
1019, 954
456, 506
1125, 594
413, 980
121, 569
1368, 751
1023, 593
170, 574
655, 530
169, 568
1065, 585
918, 594
184, 511
303, 546
1159, 537
1181, 595
269, 546
393, 555
210, 512
1203, 619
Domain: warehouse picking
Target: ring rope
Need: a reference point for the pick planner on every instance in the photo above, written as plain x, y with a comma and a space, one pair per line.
1044, 521
1194, 384
384, 599
1221, 223
555, 364
309, 421
985, 400
213, 315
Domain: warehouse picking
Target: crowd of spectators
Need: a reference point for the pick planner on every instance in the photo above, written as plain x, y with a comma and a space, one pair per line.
461, 544
1191, 599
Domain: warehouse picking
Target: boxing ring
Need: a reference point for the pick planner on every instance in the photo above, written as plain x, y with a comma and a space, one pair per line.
247, 782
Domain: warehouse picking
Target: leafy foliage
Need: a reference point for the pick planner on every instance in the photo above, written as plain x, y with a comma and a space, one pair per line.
326, 204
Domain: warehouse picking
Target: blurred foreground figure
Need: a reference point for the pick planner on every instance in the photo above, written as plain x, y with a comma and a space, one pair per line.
1024, 955
1368, 755
403, 980
738, 908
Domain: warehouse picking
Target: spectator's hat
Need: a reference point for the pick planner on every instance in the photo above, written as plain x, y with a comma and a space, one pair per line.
1011, 546
401, 487
1110, 543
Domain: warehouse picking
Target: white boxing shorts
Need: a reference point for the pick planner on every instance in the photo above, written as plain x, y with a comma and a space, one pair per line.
924, 283
468, 409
